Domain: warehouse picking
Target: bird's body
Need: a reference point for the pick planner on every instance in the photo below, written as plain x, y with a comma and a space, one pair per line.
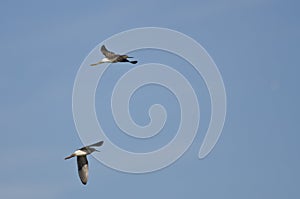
82, 162
111, 57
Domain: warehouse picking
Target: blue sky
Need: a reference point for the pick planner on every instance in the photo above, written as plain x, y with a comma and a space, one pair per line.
255, 45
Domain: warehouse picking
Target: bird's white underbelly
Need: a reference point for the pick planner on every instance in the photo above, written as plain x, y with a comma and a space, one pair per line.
105, 60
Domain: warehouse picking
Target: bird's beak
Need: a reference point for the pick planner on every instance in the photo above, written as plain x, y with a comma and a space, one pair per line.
69, 157
95, 64
129, 57
97, 150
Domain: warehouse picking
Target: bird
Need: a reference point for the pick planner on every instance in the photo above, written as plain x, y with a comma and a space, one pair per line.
111, 57
82, 162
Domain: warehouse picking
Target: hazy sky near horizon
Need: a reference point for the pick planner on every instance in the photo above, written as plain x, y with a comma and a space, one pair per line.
255, 45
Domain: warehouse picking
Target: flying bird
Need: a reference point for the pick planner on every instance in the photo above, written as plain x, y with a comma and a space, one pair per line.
82, 162
111, 57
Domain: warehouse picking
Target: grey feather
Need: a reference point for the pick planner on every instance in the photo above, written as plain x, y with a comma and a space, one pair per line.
108, 54
97, 144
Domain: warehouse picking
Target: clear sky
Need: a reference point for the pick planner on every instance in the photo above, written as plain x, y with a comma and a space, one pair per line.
255, 45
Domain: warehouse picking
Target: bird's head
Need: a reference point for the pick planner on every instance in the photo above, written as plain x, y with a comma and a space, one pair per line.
91, 150
126, 56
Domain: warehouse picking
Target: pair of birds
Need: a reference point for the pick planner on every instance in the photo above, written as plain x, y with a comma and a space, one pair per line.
82, 162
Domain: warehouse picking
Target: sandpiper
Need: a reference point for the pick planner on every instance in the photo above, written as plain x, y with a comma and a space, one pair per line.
111, 57
82, 162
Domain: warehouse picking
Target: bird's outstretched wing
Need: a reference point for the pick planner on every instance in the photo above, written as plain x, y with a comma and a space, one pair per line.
108, 54
83, 168
96, 144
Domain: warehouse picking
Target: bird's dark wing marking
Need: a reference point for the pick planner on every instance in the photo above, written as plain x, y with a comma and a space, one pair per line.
108, 54
83, 168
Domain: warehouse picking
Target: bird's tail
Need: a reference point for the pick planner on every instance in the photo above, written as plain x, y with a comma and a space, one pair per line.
133, 62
